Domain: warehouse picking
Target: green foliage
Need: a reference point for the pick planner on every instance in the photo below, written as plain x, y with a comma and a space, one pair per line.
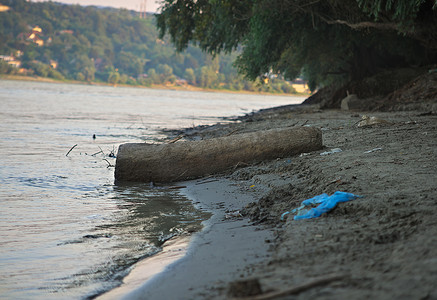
326, 41
403, 11
153, 76
118, 47
5, 68
114, 77
165, 72
208, 77
44, 70
80, 76
189, 76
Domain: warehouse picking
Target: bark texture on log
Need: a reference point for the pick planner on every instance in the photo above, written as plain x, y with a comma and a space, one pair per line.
163, 163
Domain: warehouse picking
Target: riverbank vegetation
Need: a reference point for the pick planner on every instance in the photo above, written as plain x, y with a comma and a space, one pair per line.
92, 44
340, 45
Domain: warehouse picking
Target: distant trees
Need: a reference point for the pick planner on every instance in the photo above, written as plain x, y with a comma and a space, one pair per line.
165, 73
44, 70
107, 45
189, 76
153, 76
5, 68
114, 77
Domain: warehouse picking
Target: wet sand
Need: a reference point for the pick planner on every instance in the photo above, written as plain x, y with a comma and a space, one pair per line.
143, 271
226, 246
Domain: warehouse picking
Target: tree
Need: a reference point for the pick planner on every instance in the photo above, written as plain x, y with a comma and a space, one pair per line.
114, 77
154, 78
91, 43
89, 73
80, 77
327, 41
207, 77
189, 76
5, 68
165, 72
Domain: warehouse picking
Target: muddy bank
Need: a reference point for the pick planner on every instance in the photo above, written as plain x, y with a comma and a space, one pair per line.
383, 245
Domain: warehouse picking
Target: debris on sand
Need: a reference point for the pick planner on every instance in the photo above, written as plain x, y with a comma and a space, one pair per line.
326, 204
370, 121
335, 150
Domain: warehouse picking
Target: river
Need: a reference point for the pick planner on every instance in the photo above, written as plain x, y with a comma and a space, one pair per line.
66, 231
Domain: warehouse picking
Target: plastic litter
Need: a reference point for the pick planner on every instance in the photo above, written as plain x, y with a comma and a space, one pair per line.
283, 215
325, 204
335, 150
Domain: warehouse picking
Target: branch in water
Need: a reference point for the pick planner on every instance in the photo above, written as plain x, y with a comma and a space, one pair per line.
70, 150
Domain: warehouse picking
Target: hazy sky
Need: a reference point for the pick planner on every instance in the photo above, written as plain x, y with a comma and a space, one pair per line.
151, 5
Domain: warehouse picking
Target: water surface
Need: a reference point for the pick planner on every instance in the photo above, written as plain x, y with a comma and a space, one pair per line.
66, 231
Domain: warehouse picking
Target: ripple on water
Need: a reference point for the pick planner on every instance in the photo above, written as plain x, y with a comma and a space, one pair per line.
66, 231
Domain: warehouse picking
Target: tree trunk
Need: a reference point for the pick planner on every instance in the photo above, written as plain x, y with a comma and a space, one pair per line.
162, 163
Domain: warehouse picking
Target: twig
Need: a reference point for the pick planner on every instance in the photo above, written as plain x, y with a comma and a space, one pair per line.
239, 164
207, 178
304, 123
356, 123
176, 139
70, 150
296, 289
208, 181
338, 180
182, 174
232, 132
97, 153
176, 187
109, 164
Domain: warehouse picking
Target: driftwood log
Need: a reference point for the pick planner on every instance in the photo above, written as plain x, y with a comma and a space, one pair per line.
180, 161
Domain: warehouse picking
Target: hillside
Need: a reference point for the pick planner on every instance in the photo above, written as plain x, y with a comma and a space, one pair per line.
108, 45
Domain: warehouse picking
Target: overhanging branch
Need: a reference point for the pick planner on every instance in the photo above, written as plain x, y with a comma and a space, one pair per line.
363, 25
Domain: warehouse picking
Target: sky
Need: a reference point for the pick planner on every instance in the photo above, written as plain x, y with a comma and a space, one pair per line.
151, 5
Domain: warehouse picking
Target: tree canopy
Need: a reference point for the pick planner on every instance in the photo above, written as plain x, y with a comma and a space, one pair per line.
325, 40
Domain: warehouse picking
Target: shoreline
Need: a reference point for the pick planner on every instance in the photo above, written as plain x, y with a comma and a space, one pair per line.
144, 270
226, 242
189, 88
382, 246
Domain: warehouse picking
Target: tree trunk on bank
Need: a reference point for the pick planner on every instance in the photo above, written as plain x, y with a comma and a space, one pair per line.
142, 162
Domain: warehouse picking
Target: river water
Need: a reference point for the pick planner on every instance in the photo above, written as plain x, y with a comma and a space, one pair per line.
66, 231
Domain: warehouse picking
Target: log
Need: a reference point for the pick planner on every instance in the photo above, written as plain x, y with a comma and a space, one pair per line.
163, 163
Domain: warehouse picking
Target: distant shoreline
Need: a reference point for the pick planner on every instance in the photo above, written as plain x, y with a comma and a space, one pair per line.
155, 86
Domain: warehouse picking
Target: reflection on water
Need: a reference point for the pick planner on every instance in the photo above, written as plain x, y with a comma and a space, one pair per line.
145, 219
65, 230
86, 254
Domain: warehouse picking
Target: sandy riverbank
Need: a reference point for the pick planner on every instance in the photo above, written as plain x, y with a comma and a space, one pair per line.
224, 248
385, 243
381, 246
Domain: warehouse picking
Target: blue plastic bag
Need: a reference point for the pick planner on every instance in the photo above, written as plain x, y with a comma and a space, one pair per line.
326, 204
